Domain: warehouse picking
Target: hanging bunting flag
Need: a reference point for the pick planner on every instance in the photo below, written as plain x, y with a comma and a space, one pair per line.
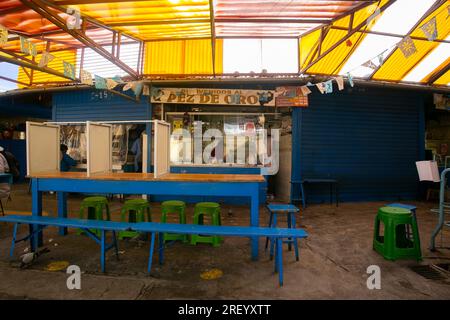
33, 50
372, 17
430, 29
305, 90
24, 45
3, 35
328, 86
117, 79
46, 58
340, 83
127, 86
100, 83
369, 64
146, 91
380, 58
111, 84
321, 87
137, 88
406, 45
86, 77
69, 70
309, 84
350, 79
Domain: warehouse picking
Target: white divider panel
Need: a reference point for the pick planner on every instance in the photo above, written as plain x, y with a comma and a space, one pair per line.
99, 147
43, 147
144, 152
161, 148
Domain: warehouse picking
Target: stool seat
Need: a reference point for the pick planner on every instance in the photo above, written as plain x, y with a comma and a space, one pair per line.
174, 207
95, 206
282, 207
137, 210
397, 242
213, 210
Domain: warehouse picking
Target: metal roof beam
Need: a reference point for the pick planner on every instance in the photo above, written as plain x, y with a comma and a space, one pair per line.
437, 74
40, 7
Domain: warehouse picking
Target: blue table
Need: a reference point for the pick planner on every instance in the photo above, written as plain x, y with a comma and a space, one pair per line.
173, 184
6, 178
305, 181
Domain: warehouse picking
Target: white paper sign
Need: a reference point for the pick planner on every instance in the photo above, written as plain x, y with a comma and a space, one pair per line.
428, 171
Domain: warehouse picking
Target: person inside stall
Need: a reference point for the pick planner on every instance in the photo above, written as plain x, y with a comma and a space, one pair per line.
136, 149
67, 162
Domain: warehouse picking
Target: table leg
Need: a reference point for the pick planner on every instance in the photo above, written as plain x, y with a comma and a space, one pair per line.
36, 210
13, 242
62, 210
102, 249
161, 247
280, 260
302, 190
254, 219
150, 256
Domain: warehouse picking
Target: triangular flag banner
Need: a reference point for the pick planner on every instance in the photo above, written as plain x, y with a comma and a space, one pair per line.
328, 86
3, 35
127, 86
350, 79
305, 90
69, 70
373, 16
100, 83
430, 29
321, 87
46, 58
117, 79
86, 77
111, 84
380, 58
137, 87
309, 84
33, 50
146, 91
407, 46
340, 83
369, 64
24, 45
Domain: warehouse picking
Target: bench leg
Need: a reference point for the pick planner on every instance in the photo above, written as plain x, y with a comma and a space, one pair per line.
11, 251
302, 190
270, 225
295, 240
116, 247
150, 256
102, 249
62, 210
289, 223
161, 248
272, 240
279, 259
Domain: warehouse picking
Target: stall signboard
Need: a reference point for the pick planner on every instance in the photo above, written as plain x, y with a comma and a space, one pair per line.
290, 97
213, 96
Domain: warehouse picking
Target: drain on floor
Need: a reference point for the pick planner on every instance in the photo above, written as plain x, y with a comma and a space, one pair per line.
429, 272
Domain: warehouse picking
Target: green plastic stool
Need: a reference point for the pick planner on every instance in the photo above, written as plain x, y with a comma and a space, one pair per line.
177, 207
138, 210
212, 209
95, 207
397, 243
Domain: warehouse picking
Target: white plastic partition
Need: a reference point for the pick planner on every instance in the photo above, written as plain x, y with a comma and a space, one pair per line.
99, 147
161, 148
43, 147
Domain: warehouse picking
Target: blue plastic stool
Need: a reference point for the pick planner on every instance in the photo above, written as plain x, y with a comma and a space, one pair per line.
290, 210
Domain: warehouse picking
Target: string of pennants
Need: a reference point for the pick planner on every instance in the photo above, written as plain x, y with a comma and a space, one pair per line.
406, 46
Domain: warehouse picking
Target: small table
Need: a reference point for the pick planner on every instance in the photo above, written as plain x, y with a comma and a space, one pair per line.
332, 182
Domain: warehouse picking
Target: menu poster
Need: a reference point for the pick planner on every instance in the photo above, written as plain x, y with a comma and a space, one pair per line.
291, 97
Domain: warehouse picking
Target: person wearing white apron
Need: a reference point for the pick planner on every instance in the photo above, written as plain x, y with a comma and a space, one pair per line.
5, 188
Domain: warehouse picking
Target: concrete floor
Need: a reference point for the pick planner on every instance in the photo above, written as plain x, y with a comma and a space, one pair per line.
333, 261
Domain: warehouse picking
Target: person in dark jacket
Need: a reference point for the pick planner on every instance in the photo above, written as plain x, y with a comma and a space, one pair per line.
66, 161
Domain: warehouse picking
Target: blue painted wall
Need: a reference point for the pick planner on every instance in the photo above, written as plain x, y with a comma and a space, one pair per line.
367, 138
97, 105
24, 106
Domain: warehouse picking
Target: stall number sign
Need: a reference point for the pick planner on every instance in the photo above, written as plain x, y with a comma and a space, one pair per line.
213, 96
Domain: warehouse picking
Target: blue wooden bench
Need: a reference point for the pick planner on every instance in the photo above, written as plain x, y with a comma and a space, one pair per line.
37, 223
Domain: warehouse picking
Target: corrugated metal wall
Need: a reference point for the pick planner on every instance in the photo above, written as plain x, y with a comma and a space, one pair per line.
367, 138
82, 105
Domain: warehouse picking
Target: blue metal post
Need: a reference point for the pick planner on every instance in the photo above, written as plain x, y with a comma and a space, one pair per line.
11, 251
62, 210
150, 257
280, 260
102, 248
254, 219
36, 210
